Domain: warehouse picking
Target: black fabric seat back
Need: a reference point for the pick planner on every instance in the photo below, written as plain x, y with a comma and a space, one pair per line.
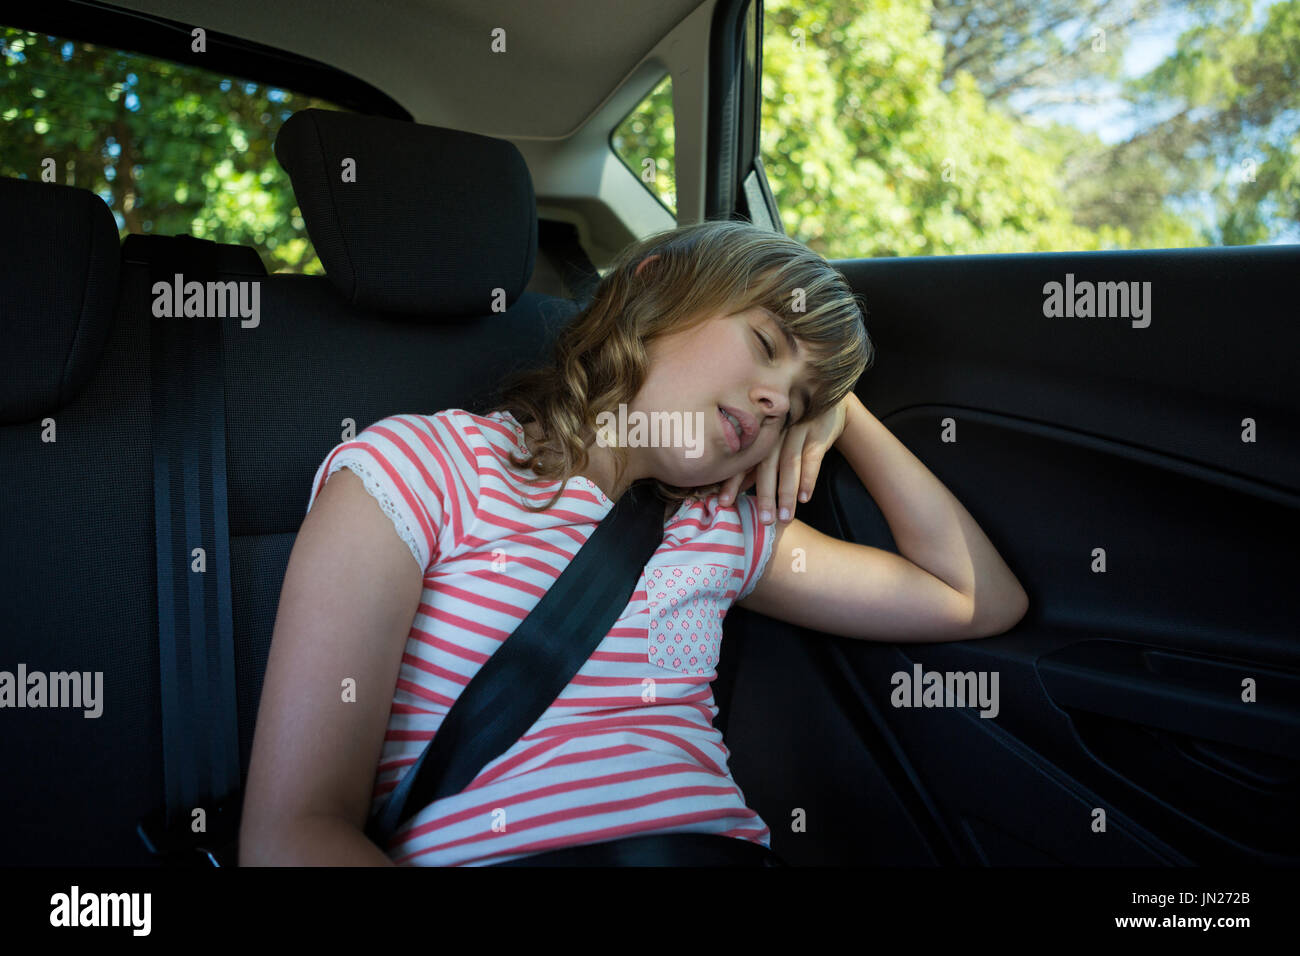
435, 239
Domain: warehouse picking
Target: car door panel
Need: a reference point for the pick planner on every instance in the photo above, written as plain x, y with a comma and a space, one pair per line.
1142, 483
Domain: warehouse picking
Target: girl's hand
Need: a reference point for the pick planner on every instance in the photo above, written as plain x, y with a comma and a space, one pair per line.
797, 459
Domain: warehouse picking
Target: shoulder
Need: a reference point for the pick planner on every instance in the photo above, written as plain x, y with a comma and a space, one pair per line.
497, 429
707, 517
453, 431
435, 452
724, 535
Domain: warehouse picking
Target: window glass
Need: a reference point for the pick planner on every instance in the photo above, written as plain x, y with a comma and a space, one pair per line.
644, 141
172, 149
921, 127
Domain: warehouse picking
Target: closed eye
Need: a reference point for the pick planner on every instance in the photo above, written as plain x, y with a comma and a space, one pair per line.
771, 354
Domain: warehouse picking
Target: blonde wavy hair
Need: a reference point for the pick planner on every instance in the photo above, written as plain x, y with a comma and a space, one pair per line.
704, 269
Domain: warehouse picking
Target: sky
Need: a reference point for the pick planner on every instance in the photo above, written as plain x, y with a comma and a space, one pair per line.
1150, 42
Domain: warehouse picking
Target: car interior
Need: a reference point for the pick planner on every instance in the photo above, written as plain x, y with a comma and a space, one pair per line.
137, 452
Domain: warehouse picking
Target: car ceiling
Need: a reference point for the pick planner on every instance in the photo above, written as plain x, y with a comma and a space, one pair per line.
435, 57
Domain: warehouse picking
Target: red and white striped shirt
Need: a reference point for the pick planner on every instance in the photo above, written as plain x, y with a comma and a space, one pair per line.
629, 747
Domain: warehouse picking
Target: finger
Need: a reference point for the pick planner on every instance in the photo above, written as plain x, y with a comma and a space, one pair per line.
733, 486
766, 484
812, 467
791, 467
730, 489
746, 483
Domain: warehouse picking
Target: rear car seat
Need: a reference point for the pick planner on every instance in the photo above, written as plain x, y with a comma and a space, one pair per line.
435, 221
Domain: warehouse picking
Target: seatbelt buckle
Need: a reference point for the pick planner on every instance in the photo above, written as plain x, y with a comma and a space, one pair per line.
176, 845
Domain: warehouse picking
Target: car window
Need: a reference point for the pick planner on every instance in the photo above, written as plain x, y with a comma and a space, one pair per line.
921, 127
172, 149
644, 141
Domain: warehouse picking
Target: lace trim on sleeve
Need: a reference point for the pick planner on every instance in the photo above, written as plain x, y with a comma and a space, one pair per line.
377, 492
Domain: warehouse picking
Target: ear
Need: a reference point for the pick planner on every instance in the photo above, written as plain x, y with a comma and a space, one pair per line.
645, 262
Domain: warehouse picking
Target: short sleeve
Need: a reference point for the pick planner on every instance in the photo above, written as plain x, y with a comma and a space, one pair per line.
759, 541
401, 462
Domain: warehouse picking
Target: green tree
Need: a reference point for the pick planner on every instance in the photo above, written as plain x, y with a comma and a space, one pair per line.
1220, 111
1014, 52
1013, 47
878, 140
1236, 133
648, 133
868, 156
172, 149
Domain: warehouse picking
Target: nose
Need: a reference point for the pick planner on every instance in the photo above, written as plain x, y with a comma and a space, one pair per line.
773, 402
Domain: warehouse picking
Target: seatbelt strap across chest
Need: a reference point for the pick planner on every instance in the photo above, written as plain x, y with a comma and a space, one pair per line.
536, 662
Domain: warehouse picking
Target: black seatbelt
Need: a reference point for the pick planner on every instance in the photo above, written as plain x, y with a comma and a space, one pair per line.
560, 241
529, 671
196, 649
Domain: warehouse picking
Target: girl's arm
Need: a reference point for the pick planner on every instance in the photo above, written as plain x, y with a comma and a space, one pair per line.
947, 584
347, 604
931, 528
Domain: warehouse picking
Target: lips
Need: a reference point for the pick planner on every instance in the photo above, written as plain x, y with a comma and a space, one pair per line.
745, 436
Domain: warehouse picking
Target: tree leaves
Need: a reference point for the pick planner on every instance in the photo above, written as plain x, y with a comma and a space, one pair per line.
172, 149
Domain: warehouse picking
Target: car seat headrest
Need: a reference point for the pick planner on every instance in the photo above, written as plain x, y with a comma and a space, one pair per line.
411, 218
60, 260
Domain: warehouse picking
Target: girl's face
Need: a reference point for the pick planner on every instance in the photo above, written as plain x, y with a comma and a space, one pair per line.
743, 362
